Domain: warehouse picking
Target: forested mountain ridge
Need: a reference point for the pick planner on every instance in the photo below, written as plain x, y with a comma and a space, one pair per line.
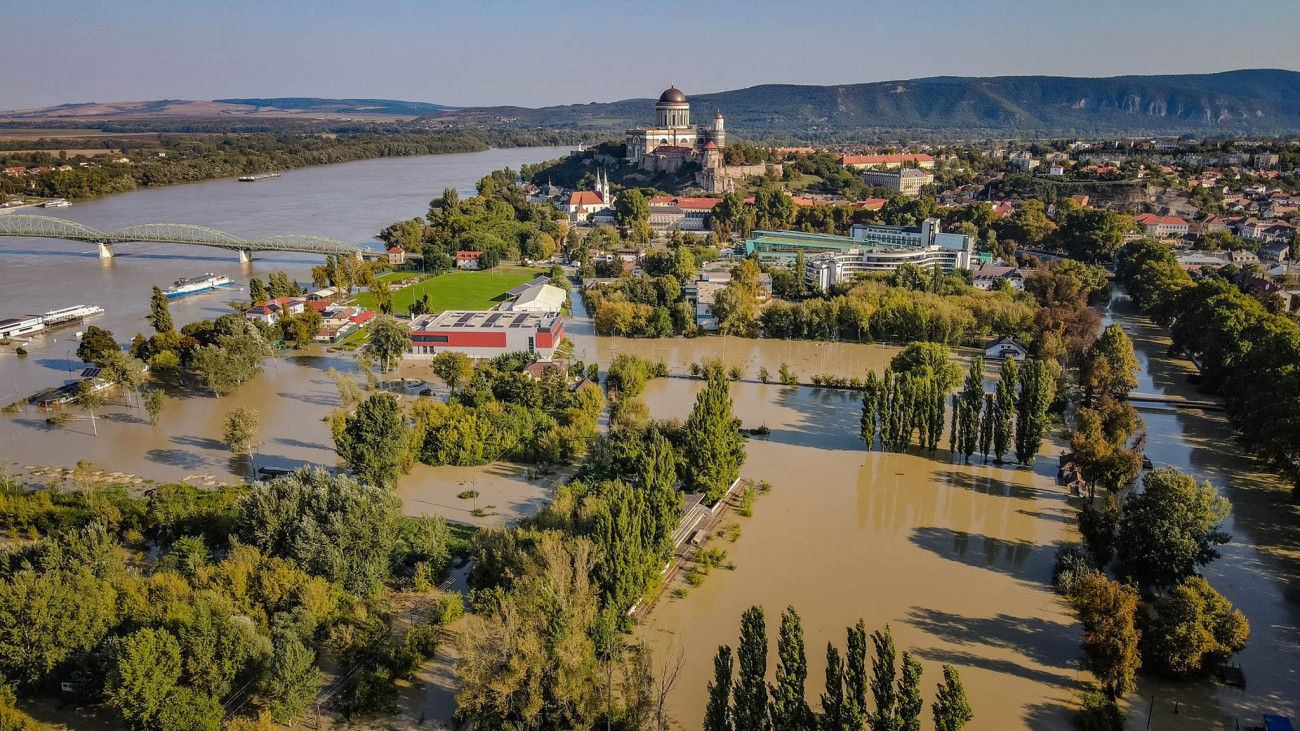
1262, 101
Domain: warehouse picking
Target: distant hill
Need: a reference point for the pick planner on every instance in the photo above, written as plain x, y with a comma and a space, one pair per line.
228, 108
1258, 101
336, 106
1263, 101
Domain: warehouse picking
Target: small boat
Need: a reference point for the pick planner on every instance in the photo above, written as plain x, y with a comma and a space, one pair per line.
60, 203
194, 285
1146, 463
256, 178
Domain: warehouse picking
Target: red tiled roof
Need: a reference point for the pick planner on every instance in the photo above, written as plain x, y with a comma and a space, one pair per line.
467, 255
396, 250
870, 204
883, 159
1151, 219
585, 198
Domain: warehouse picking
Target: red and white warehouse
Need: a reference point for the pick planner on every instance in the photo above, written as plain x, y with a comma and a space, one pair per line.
487, 334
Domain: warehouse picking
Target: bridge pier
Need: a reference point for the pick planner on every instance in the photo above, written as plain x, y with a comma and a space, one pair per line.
245, 256
357, 255
105, 251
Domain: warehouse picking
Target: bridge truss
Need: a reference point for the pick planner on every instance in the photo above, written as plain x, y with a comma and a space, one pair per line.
49, 227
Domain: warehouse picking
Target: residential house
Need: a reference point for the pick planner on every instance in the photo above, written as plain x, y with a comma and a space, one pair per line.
396, 256
1003, 347
1056, 169
986, 275
468, 259
272, 311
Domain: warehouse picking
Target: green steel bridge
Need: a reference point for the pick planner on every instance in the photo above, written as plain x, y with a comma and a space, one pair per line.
48, 227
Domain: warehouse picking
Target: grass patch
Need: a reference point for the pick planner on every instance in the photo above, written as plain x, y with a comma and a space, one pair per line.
731, 532
457, 290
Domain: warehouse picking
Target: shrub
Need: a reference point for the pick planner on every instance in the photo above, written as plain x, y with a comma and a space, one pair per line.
1098, 713
763, 375
788, 377
736, 373
1072, 565
450, 609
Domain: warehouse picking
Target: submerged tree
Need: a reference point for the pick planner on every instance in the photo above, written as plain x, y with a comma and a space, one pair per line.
951, 709
1036, 393
1005, 408
789, 708
712, 447
749, 710
717, 714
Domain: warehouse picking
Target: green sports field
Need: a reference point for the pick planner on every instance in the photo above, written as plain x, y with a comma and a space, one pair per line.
457, 290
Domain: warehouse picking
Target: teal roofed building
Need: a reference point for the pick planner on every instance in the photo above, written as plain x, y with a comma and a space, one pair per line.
871, 248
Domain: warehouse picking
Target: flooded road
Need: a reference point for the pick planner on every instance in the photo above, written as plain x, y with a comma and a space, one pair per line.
1260, 567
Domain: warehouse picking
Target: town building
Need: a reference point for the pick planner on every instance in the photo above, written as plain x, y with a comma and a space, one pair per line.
537, 298
907, 181
487, 334
396, 256
1162, 227
272, 311
886, 162
831, 259
668, 213
581, 204
17, 326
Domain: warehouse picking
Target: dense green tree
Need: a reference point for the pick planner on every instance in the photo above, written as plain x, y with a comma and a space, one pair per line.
453, 368
159, 314
749, 707
389, 339
239, 431
951, 709
1107, 610
856, 683
1192, 630
789, 708
969, 407
1169, 528
712, 447
96, 346
257, 293
216, 648
375, 442
1036, 392
155, 400
292, 679
46, 617
631, 208
1110, 367
717, 713
332, 527
1093, 234
146, 672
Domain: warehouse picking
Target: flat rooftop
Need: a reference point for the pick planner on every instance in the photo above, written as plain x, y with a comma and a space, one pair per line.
485, 320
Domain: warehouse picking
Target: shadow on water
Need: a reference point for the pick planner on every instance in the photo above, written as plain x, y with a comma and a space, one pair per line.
986, 485
176, 458
975, 549
288, 442
189, 440
825, 419
1005, 667
1046, 642
310, 398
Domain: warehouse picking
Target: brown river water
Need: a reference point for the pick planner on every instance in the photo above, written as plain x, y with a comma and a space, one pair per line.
956, 559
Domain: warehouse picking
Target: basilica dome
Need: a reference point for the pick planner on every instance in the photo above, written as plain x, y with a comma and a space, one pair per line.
672, 95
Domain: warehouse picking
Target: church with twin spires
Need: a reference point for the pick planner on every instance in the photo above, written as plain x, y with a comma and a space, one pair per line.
673, 140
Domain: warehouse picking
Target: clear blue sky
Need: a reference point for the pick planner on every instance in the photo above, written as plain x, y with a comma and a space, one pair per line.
478, 52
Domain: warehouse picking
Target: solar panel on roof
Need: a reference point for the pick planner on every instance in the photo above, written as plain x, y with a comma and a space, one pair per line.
466, 318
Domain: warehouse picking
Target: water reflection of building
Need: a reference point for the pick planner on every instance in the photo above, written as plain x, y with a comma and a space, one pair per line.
870, 248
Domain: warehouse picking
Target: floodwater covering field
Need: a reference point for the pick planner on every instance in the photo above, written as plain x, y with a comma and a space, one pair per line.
955, 558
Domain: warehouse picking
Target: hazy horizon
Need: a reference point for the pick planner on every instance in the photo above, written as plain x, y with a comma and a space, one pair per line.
496, 53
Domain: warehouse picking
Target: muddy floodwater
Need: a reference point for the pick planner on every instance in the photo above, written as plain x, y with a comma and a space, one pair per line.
956, 559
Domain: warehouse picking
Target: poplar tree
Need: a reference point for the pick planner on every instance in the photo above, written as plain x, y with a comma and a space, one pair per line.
956, 425
872, 395
713, 448
971, 401
986, 428
1036, 392
749, 710
833, 716
257, 293
717, 714
951, 709
883, 673
159, 314
855, 677
789, 708
1005, 409
910, 703
657, 475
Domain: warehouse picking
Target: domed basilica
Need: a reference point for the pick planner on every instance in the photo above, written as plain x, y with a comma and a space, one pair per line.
674, 140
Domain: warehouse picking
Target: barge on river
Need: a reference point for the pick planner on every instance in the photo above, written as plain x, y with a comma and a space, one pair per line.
258, 177
194, 285
70, 315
